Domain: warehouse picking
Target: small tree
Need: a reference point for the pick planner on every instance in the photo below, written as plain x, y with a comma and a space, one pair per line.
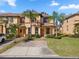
13, 28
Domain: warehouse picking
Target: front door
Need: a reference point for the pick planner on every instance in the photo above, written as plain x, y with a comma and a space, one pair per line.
22, 32
42, 31
48, 30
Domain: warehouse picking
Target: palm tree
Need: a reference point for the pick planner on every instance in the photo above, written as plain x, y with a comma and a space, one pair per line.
31, 14
58, 20
62, 18
55, 18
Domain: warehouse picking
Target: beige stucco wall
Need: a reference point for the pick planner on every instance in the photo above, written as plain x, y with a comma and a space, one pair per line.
4, 29
27, 22
26, 31
53, 30
33, 30
38, 18
51, 21
15, 20
70, 24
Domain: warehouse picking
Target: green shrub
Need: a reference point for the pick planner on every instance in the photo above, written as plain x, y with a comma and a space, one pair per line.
58, 37
75, 36
37, 36
10, 36
53, 36
29, 37
50, 36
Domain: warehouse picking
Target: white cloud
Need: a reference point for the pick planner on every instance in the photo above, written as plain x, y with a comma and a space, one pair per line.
11, 2
54, 3
70, 6
2, 11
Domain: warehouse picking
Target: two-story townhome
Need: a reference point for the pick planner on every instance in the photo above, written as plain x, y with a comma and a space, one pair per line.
47, 25
41, 24
68, 26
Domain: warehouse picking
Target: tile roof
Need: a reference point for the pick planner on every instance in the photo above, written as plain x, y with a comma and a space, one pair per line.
69, 16
10, 14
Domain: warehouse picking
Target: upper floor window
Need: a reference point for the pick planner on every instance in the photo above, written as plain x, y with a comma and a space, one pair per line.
22, 20
29, 30
10, 19
67, 21
33, 20
36, 30
76, 20
45, 20
67, 28
47, 30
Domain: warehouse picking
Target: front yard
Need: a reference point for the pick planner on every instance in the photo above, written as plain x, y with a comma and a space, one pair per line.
65, 46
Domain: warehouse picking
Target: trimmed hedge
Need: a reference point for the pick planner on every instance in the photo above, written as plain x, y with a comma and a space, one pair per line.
53, 36
36, 36
50, 36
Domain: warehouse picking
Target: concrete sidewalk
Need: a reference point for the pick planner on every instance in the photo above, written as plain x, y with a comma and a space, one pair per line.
36, 48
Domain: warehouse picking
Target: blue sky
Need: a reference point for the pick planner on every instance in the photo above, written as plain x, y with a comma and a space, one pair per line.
18, 6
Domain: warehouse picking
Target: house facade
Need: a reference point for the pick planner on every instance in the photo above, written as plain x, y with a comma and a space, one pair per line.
41, 25
68, 26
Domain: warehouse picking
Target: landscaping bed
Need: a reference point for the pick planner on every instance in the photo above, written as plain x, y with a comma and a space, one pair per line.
66, 46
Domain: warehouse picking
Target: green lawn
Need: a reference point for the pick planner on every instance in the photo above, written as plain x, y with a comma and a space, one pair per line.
65, 46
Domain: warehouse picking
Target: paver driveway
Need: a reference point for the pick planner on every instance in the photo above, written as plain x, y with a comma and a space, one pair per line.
37, 48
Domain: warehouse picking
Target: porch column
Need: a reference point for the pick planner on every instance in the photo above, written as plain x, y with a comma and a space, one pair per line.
4, 29
53, 30
27, 31
33, 30
39, 30
44, 31
50, 30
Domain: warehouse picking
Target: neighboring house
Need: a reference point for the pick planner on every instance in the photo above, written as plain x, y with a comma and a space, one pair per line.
68, 26
10, 18
41, 25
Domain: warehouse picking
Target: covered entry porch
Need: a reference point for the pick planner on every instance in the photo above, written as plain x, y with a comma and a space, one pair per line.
45, 30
